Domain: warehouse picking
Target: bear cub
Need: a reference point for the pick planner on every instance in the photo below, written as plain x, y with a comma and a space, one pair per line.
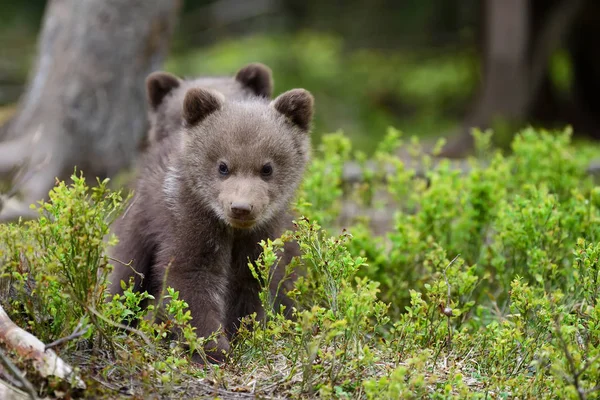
206, 196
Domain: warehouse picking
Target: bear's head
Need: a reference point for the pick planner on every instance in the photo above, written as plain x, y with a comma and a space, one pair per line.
245, 159
165, 93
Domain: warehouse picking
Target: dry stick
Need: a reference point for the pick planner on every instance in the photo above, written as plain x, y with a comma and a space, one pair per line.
128, 265
79, 331
106, 384
20, 376
6, 378
29, 347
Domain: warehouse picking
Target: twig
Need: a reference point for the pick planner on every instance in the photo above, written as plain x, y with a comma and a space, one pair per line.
25, 384
282, 379
123, 263
78, 332
107, 385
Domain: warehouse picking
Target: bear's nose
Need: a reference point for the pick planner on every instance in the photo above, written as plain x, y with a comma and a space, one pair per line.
240, 209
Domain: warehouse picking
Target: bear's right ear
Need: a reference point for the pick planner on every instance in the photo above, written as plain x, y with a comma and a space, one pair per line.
200, 103
297, 106
158, 85
258, 78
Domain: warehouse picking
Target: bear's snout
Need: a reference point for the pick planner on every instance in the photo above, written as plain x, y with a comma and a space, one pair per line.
241, 214
243, 200
241, 208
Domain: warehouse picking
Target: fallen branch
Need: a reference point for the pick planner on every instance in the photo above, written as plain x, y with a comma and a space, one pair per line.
27, 346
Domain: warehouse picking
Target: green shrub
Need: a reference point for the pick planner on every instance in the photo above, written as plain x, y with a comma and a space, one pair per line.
485, 286
55, 264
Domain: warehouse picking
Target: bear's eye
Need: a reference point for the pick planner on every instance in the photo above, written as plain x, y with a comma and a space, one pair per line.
266, 170
223, 169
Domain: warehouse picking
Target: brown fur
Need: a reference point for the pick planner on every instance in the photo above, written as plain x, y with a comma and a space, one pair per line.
188, 212
165, 93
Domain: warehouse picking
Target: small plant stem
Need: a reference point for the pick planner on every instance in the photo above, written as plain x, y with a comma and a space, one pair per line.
571, 362
18, 375
78, 332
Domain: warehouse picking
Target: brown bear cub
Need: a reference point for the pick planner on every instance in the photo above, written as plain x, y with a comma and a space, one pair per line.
165, 93
206, 196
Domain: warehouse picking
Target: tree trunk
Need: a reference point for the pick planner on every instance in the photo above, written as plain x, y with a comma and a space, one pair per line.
505, 85
85, 103
585, 107
505, 75
520, 37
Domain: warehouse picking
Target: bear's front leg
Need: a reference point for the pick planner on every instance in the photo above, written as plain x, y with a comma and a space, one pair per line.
205, 295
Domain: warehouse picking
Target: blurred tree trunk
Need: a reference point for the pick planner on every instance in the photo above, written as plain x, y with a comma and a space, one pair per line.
584, 109
520, 37
506, 84
85, 105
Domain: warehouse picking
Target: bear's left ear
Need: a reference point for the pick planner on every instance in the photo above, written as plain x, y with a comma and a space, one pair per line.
297, 106
258, 78
158, 86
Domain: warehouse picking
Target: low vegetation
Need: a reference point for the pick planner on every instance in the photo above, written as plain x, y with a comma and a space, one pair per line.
484, 286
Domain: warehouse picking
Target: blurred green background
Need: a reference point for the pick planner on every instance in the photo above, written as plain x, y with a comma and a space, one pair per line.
411, 64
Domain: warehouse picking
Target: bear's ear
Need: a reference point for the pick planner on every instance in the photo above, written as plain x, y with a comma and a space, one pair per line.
297, 106
158, 85
199, 104
258, 78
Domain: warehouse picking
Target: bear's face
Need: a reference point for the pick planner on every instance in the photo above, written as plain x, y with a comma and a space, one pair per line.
245, 159
165, 93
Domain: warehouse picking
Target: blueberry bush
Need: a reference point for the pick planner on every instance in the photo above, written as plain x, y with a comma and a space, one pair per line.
484, 285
